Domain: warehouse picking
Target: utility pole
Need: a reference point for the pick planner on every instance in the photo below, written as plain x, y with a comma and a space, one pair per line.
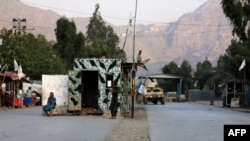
133, 68
19, 25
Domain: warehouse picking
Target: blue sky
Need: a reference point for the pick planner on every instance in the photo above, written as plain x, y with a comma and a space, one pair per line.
118, 12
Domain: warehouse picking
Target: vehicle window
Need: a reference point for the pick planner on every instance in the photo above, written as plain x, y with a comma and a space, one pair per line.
156, 90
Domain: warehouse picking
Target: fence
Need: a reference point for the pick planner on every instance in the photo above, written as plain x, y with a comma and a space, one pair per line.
201, 95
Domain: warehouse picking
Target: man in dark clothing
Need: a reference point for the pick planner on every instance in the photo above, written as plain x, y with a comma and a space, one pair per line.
114, 101
51, 104
140, 62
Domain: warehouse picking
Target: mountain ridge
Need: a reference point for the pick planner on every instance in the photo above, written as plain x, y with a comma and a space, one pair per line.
195, 36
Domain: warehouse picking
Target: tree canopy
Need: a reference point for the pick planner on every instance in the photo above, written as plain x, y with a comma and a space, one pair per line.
101, 39
69, 43
184, 70
35, 55
238, 11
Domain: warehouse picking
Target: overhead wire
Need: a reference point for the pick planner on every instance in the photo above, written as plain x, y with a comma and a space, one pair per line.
188, 23
62, 9
117, 18
151, 35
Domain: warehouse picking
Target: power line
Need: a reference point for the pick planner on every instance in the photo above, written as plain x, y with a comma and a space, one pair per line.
195, 23
125, 19
72, 11
56, 8
19, 27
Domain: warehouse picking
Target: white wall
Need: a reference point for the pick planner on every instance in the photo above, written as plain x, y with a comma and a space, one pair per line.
57, 84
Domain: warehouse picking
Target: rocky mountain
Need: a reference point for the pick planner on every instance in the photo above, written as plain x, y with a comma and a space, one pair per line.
38, 21
204, 33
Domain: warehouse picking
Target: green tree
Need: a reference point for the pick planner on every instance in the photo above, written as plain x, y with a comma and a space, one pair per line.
171, 68
236, 53
101, 39
228, 65
34, 54
224, 67
69, 43
238, 11
204, 74
170, 84
185, 71
79, 45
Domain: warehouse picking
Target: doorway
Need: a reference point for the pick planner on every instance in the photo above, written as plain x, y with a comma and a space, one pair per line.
90, 93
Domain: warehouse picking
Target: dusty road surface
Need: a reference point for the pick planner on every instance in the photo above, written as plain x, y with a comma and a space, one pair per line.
28, 124
191, 121
174, 121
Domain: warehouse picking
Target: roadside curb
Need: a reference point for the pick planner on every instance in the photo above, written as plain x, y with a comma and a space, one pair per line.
218, 103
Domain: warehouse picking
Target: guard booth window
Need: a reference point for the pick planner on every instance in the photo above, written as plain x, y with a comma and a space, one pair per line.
109, 80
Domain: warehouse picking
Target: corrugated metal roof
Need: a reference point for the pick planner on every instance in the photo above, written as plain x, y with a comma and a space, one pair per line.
11, 75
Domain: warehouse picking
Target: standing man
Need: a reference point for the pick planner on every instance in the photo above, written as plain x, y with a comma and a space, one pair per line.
114, 101
29, 92
51, 104
141, 91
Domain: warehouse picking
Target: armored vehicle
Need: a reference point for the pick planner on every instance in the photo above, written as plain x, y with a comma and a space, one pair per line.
153, 93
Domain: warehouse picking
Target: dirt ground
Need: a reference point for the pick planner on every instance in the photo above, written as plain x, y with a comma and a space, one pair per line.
132, 129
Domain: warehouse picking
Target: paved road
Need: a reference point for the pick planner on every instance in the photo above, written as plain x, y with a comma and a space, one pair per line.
28, 124
191, 121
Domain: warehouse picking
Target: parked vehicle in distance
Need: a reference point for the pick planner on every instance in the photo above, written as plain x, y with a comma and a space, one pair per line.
153, 94
182, 98
171, 97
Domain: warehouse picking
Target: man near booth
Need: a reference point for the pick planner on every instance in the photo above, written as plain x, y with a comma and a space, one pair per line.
51, 104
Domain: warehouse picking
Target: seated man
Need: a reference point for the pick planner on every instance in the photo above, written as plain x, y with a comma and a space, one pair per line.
51, 104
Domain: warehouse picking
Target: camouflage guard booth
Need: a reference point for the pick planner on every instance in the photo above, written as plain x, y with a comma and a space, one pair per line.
90, 85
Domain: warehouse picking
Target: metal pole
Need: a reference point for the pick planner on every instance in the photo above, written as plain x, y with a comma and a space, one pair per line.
133, 68
244, 82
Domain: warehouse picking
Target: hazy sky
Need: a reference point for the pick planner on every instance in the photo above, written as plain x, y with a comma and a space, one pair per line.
118, 12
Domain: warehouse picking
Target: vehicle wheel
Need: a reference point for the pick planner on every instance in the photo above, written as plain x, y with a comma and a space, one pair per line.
155, 102
162, 101
145, 100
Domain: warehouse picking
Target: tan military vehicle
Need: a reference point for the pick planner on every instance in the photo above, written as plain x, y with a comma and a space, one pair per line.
153, 93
